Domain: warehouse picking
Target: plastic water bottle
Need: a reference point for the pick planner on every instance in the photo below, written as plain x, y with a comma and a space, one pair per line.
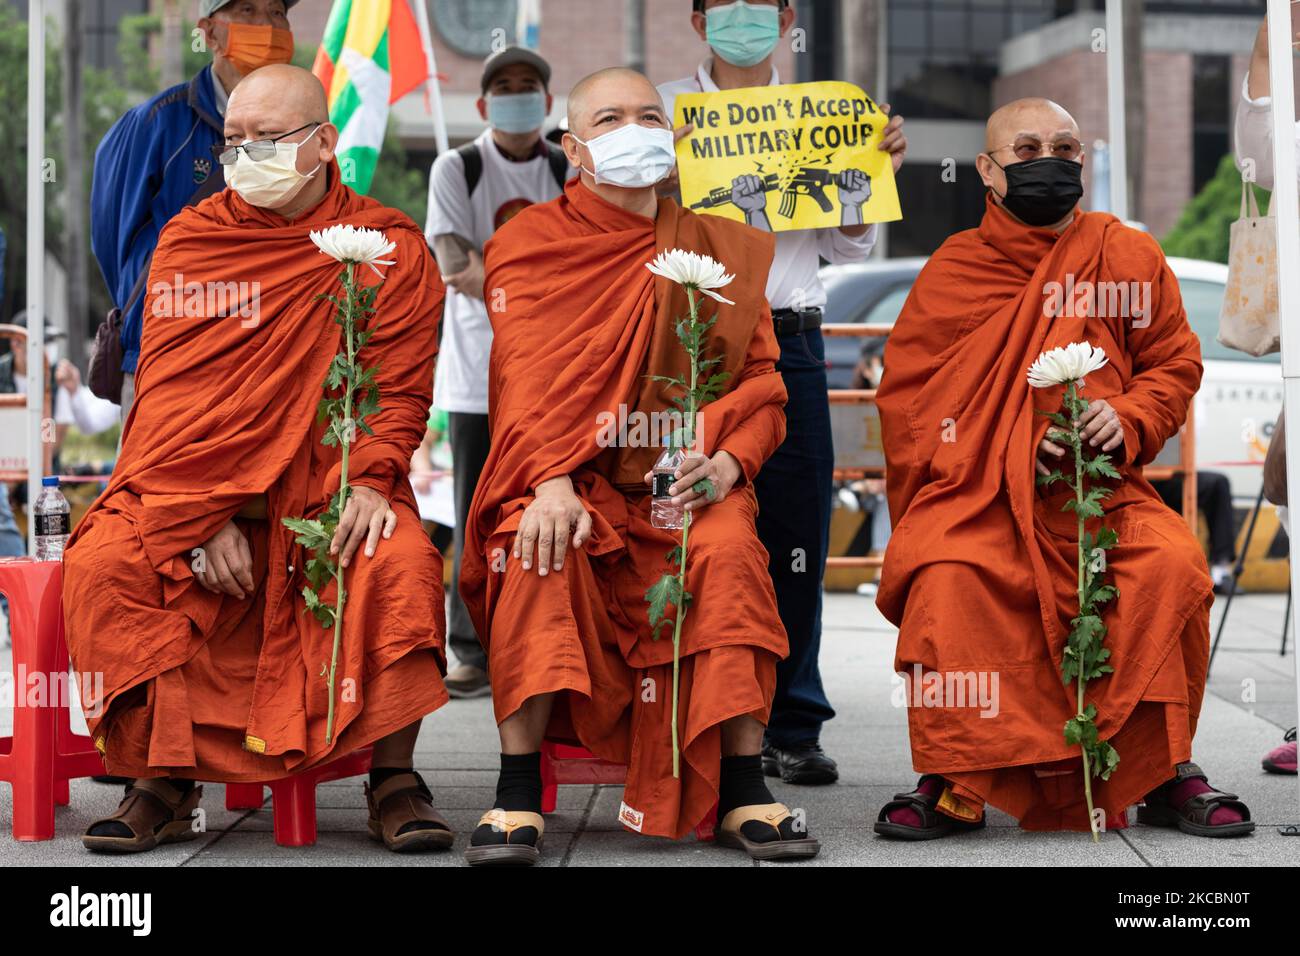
663, 513
53, 521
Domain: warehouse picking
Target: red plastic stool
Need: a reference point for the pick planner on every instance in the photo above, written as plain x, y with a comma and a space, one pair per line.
565, 763
43, 754
293, 798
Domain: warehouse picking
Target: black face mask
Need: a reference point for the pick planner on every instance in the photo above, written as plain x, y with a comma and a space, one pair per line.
1041, 192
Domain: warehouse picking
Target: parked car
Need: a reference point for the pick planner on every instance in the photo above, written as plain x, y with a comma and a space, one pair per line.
1236, 407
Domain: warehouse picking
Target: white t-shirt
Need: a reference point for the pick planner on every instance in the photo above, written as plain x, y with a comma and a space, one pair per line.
504, 188
792, 281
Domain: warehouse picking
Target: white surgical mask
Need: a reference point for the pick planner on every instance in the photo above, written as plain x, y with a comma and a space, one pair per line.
274, 181
632, 156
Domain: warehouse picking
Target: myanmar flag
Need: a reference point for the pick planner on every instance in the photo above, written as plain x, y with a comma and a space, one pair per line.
371, 56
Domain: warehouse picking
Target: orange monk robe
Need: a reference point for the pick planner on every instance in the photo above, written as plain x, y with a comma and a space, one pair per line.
579, 322
203, 685
980, 574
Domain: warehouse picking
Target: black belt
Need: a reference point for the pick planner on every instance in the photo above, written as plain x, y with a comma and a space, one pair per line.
792, 321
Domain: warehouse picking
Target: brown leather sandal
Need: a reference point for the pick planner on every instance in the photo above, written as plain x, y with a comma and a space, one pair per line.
730, 833
399, 801
155, 812
506, 838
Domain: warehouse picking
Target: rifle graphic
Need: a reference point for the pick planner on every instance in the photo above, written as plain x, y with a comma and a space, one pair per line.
809, 181
722, 195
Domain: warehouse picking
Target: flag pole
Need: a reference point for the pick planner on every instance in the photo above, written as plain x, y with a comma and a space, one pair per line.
36, 382
1118, 146
1286, 205
432, 88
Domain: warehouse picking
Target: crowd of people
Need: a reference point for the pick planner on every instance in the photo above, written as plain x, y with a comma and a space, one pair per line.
528, 281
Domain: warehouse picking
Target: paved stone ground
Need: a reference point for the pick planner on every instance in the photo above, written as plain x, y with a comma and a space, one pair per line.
458, 756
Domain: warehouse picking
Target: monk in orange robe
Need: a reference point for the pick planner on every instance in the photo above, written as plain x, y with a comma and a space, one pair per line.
560, 546
981, 572
181, 584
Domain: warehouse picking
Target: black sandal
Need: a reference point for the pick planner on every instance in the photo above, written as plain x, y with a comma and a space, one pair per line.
1194, 815
933, 823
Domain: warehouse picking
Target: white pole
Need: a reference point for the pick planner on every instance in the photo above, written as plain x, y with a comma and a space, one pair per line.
36, 381
1286, 206
433, 89
1115, 108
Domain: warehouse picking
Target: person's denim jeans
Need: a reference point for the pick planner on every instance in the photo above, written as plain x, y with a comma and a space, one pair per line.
794, 502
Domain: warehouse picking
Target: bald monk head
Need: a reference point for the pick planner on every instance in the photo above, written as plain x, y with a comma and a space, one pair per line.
608, 100
287, 104
1022, 134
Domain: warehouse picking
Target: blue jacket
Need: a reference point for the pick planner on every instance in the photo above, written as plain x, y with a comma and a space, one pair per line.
147, 168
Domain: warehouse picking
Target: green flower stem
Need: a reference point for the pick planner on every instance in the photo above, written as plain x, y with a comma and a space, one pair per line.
1082, 681
349, 328
686, 524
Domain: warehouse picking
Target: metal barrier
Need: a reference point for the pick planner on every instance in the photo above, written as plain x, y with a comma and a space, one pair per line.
855, 427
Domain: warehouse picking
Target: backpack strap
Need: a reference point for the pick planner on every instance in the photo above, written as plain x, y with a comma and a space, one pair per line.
559, 163
473, 162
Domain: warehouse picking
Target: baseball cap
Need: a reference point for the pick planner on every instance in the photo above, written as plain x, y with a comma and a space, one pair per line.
209, 7
508, 56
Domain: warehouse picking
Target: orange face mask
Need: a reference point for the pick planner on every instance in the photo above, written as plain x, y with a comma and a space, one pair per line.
250, 45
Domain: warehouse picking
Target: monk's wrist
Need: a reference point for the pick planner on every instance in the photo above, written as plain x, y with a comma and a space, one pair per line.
559, 486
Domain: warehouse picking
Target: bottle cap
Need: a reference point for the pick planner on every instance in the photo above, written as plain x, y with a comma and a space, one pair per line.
50, 481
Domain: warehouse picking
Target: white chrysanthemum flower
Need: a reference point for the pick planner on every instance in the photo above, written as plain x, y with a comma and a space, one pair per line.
1067, 364
357, 246
692, 270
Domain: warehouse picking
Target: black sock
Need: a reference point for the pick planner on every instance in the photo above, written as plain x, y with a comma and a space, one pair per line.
520, 785
184, 786
742, 784
380, 774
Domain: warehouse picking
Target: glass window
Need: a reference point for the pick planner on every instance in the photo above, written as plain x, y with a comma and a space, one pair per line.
887, 307
1203, 301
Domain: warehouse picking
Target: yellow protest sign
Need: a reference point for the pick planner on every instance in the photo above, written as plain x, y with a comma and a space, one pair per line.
800, 156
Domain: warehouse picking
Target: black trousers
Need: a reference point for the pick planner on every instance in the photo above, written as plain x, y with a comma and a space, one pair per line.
467, 434
1214, 500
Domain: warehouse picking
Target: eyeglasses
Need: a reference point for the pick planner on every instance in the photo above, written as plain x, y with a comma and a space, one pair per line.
1031, 147
257, 150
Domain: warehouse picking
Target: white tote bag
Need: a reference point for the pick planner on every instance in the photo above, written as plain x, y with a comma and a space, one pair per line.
1248, 321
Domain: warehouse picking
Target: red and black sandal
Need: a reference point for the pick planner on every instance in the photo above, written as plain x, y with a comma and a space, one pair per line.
1193, 815
933, 823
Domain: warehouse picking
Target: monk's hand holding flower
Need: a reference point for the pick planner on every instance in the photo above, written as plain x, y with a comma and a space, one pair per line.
227, 566
366, 517
547, 522
1049, 453
1102, 425
722, 470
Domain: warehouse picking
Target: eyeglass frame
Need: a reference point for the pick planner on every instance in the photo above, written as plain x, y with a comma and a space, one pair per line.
220, 149
1041, 155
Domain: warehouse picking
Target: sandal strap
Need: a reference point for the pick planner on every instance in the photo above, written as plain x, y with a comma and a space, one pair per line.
1199, 808
402, 799
156, 793
921, 803
1188, 771
770, 813
511, 820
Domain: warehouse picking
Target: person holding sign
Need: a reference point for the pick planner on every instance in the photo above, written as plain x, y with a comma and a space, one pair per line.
982, 574
794, 487
560, 546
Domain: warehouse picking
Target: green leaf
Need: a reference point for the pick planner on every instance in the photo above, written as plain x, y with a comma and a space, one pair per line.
664, 592
705, 487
